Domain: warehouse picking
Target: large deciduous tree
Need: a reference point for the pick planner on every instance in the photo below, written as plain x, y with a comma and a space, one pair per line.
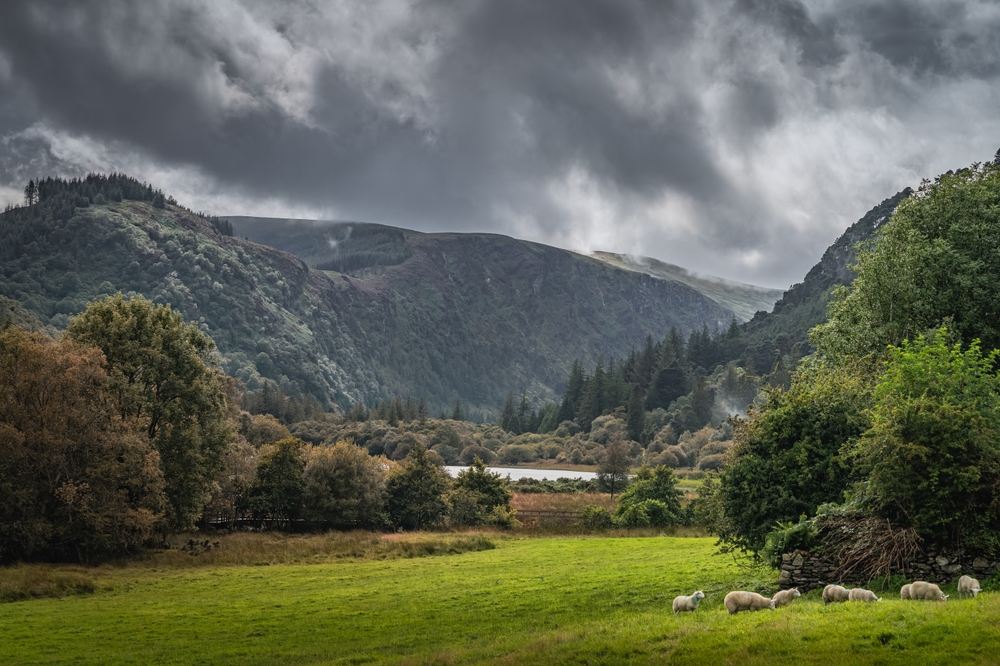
416, 489
76, 480
785, 460
345, 487
934, 263
612, 471
161, 371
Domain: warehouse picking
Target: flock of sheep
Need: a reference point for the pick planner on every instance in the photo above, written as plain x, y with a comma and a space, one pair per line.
751, 601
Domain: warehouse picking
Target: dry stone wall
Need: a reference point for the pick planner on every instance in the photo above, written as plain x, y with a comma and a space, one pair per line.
807, 571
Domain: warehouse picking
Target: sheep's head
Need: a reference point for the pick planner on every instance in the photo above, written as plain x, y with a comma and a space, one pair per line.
698, 595
771, 605
976, 591
795, 593
944, 597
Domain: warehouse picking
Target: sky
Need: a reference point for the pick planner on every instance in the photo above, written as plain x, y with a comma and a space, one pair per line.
736, 139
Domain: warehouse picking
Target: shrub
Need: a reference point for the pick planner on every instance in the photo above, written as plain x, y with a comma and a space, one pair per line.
633, 516
477, 494
474, 451
595, 517
655, 489
712, 463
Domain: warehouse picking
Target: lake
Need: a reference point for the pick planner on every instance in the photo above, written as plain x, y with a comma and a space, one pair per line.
516, 473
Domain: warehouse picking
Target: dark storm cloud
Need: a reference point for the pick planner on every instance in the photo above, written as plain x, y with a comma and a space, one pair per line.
734, 137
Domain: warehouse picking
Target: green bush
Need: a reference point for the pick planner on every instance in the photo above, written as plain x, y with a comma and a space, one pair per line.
595, 518
634, 516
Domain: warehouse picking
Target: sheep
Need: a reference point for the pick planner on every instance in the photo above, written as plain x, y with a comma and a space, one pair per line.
785, 597
746, 601
923, 591
683, 603
860, 594
904, 592
968, 585
832, 593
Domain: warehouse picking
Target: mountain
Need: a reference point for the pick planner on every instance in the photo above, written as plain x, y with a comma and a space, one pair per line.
384, 312
743, 299
769, 336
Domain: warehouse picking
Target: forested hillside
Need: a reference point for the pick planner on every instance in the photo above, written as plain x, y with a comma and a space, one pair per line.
439, 316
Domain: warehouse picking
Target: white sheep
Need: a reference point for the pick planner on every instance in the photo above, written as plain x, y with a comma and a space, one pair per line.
860, 594
968, 585
904, 592
683, 603
746, 601
923, 591
785, 597
835, 593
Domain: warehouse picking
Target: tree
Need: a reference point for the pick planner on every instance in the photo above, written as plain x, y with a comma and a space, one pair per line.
592, 404
278, 489
479, 495
612, 471
344, 486
636, 415
161, 372
30, 193
653, 484
933, 263
574, 392
785, 459
931, 456
456, 412
416, 491
76, 481
508, 416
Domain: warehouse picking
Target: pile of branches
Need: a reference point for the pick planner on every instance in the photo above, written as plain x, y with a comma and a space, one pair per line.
864, 546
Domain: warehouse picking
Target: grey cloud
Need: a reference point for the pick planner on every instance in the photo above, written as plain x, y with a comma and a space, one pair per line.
741, 136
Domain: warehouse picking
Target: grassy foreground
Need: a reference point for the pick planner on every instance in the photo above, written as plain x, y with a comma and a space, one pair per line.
543, 600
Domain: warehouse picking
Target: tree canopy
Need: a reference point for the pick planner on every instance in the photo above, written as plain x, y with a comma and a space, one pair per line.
161, 372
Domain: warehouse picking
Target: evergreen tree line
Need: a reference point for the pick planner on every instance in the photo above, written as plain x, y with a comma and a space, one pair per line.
653, 378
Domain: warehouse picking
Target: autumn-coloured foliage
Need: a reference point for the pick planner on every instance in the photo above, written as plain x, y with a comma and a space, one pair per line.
76, 480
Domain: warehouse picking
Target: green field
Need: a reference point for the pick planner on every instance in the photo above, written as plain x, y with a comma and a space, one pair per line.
529, 600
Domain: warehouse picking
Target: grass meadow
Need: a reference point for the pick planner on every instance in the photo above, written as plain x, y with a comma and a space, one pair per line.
461, 599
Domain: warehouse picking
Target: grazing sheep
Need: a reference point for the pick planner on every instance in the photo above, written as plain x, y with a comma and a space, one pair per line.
832, 593
860, 594
923, 591
904, 592
683, 603
785, 597
746, 601
968, 585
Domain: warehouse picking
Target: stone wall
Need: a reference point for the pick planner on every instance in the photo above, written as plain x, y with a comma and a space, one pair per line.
807, 571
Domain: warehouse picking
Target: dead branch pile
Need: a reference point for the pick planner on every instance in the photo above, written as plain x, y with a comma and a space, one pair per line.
864, 547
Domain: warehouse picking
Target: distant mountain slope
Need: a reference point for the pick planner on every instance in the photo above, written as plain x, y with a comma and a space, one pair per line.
350, 246
433, 315
743, 299
769, 335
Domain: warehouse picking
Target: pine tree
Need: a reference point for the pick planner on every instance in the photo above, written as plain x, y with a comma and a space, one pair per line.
636, 415
456, 412
574, 391
508, 417
30, 193
592, 404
